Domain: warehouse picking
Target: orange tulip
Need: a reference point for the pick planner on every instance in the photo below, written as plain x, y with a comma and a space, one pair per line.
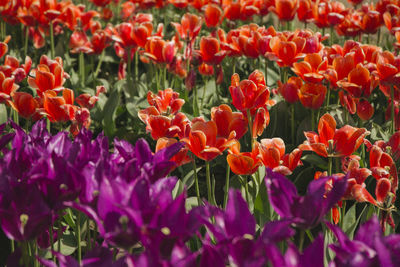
387, 67
359, 82
249, 94
332, 142
312, 68
260, 122
289, 89
285, 9
304, 12
203, 140
210, 50
272, 152
243, 163
190, 26
212, 15
312, 95
285, 52
228, 121
166, 102
7, 87
24, 104
164, 126
59, 108
364, 110
49, 75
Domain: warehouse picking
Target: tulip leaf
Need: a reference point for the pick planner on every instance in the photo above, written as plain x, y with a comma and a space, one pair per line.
262, 207
69, 218
315, 160
190, 203
133, 105
109, 113
188, 180
350, 222
3, 113
178, 189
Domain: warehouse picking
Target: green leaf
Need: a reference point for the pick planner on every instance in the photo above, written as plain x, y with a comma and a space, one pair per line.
262, 207
178, 189
188, 180
350, 222
315, 160
69, 218
109, 113
190, 203
3, 113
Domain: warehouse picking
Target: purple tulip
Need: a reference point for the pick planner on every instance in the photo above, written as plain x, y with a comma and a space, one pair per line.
369, 247
289, 205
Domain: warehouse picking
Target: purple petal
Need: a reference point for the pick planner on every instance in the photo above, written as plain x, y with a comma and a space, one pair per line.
281, 193
313, 255
238, 220
277, 231
143, 152
211, 257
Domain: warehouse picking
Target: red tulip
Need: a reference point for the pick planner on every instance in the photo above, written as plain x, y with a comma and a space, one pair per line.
243, 163
228, 121
289, 89
312, 95
203, 140
332, 142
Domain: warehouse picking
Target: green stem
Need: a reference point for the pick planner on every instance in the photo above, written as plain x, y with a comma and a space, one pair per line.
165, 78
52, 40
301, 240
233, 65
2, 33
379, 37
250, 122
331, 36
342, 214
246, 189
312, 119
292, 130
196, 181
329, 166
82, 68
216, 89
98, 68
208, 180
227, 176
15, 116
204, 95
195, 102
136, 67
12, 245
157, 80
328, 96
48, 125
89, 236
266, 72
78, 236
53, 257
392, 111
35, 253
59, 235
26, 41
309, 234
129, 74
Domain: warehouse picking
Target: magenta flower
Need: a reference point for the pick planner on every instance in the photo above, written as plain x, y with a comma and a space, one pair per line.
289, 205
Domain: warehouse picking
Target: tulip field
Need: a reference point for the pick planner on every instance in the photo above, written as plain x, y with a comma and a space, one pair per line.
199, 133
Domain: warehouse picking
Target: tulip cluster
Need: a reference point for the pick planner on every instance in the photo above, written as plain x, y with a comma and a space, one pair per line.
273, 144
